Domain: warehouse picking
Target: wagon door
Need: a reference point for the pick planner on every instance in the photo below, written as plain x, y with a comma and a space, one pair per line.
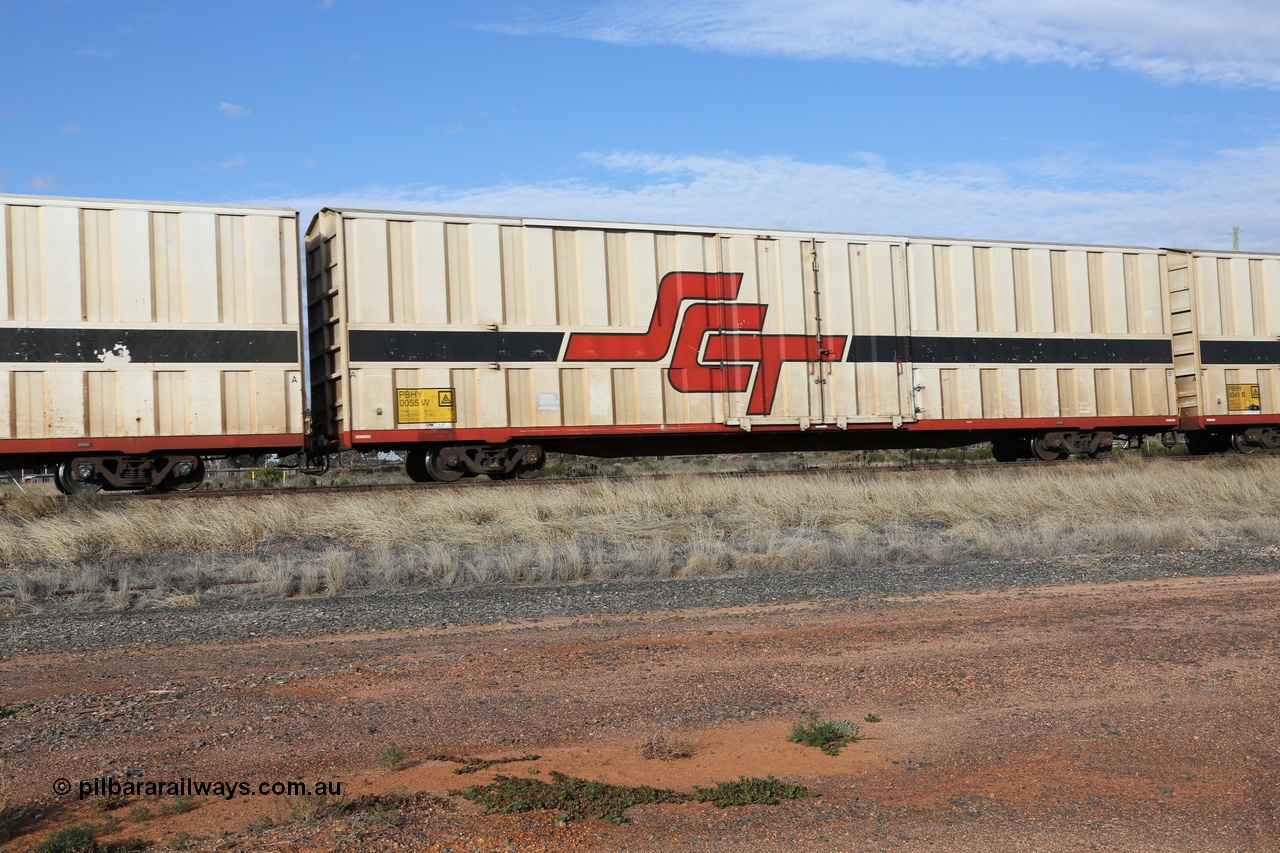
823, 349
763, 342
787, 347
860, 295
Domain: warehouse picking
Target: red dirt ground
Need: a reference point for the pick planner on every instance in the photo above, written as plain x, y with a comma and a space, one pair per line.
1134, 716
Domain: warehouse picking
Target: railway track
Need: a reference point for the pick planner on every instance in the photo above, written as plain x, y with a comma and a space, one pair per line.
915, 467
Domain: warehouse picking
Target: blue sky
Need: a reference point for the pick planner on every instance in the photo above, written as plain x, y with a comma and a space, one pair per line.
1153, 122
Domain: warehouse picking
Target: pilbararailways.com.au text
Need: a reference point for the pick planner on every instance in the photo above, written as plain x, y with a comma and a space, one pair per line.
107, 786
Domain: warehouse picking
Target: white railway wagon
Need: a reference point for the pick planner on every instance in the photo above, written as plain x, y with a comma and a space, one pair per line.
136, 337
1226, 325
480, 342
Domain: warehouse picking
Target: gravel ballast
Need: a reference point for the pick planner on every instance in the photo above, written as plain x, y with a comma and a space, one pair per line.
63, 628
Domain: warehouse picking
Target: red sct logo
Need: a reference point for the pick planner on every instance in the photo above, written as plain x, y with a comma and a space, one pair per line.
718, 342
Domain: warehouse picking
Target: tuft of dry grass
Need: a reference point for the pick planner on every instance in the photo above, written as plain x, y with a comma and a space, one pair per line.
661, 745
299, 544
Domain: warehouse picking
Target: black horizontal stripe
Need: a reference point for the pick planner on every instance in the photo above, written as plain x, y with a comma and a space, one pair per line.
1239, 352
923, 349
149, 346
869, 349
368, 345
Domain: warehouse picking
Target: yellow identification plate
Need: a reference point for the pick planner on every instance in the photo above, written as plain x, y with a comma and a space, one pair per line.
1244, 398
425, 406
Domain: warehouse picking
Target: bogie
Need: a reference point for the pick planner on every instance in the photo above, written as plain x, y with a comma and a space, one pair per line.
450, 463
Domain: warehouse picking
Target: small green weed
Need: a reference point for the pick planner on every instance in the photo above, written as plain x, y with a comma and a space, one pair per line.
108, 804
471, 765
73, 839
10, 825
180, 805
258, 825
751, 791
377, 811
83, 839
314, 808
140, 814
871, 718
391, 758
577, 798
573, 798
830, 736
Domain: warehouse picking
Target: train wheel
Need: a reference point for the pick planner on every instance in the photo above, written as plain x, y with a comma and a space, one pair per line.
187, 482
75, 479
531, 471
440, 472
415, 465
1044, 452
1240, 445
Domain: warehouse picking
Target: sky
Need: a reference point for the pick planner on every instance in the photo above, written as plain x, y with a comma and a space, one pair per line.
1133, 122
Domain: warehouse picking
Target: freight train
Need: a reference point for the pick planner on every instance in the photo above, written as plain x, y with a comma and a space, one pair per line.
138, 339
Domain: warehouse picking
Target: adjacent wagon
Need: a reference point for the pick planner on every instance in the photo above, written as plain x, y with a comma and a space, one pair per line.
137, 338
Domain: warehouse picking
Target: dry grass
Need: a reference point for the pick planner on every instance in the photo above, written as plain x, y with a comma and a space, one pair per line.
300, 544
660, 744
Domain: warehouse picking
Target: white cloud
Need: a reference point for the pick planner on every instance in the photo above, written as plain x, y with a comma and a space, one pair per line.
1231, 42
233, 110
73, 129
95, 53
1168, 203
311, 162
234, 163
41, 183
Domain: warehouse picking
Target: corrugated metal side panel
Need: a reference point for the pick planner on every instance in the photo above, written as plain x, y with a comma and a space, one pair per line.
878, 306
439, 275
166, 278
1235, 300
974, 291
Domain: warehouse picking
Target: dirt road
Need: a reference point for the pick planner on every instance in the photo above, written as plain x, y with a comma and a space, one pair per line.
1136, 716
